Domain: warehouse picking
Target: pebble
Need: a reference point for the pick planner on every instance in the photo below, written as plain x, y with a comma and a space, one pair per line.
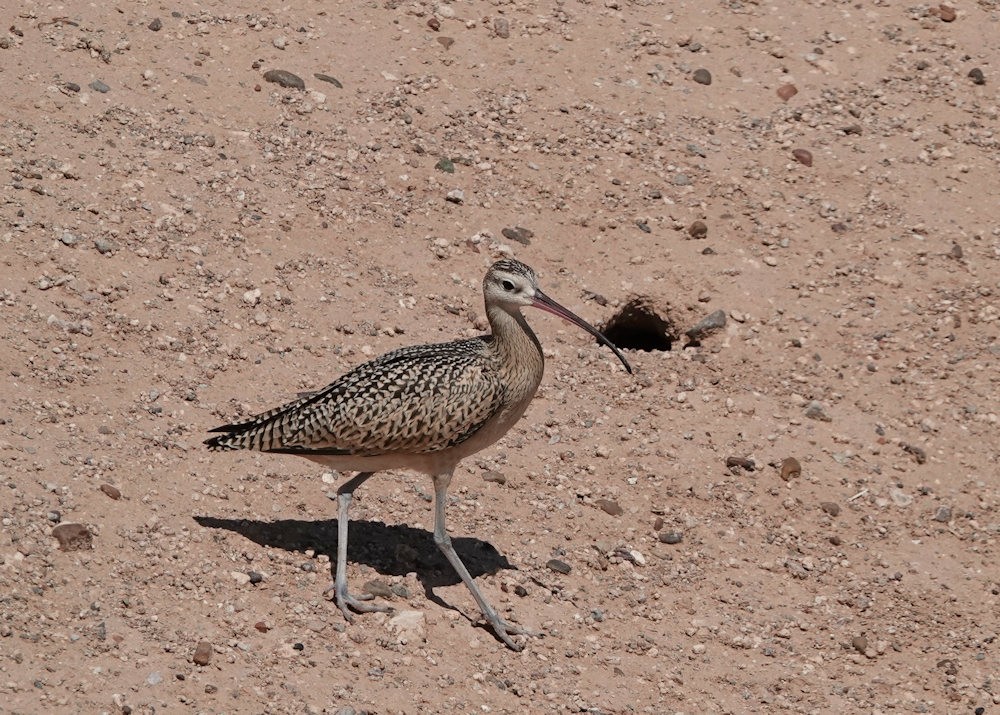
434, 24
501, 26
518, 233
831, 508
284, 78
494, 477
787, 91
377, 588
682, 180
446, 165
900, 498
111, 490
328, 78
702, 76
68, 239
256, 577
816, 411
698, 230
609, 507
559, 566
104, 246
803, 156
918, 453
280, 42
446, 42
942, 514
707, 325
156, 25
409, 626
977, 76
99, 86
671, 537
946, 13
202, 653
455, 196
154, 678
73, 537
740, 463
790, 468
859, 643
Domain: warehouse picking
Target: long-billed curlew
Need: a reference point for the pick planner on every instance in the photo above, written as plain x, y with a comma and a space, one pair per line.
423, 408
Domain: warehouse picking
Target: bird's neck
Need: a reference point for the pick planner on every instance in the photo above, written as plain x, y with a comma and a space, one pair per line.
515, 342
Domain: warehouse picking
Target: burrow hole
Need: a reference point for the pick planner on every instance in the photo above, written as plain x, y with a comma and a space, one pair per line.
641, 325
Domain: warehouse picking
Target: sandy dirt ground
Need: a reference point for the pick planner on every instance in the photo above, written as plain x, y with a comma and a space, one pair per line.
795, 511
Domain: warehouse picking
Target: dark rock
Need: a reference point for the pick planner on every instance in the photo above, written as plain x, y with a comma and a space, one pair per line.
327, 78
99, 86
446, 165
707, 325
698, 230
73, 537
377, 588
702, 76
787, 91
501, 26
559, 566
256, 577
156, 25
790, 468
977, 76
740, 463
112, 491
609, 507
491, 475
202, 653
284, 78
518, 233
671, 537
831, 508
943, 514
803, 156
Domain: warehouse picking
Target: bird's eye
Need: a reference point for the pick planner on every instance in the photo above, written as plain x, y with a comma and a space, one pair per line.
508, 285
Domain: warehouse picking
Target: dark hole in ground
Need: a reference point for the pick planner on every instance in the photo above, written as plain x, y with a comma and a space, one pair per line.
640, 325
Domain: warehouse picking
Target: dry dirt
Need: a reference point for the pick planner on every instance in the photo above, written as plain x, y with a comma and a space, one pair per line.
194, 244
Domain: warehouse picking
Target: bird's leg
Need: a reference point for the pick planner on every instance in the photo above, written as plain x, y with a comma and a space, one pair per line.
345, 600
502, 628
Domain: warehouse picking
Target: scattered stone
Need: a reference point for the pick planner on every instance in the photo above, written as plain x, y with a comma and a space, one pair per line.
698, 230
256, 577
261, 626
284, 78
434, 24
918, 453
956, 252
852, 129
796, 568
409, 626
518, 233
740, 463
787, 91
377, 588
702, 76
946, 13
900, 498
111, 490
73, 537
156, 25
682, 180
643, 226
446, 165
99, 86
280, 42
707, 325
520, 591
54, 516
977, 76
154, 678
501, 26
68, 239
790, 468
559, 566
859, 643
803, 156
71, 87
942, 514
831, 508
494, 477
609, 507
816, 411
104, 246
657, 523
670, 537
446, 42
455, 196
202, 653
327, 78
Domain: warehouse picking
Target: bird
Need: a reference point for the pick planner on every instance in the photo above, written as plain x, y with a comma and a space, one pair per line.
422, 408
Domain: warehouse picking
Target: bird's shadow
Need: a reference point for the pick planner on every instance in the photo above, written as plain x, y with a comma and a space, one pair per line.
391, 550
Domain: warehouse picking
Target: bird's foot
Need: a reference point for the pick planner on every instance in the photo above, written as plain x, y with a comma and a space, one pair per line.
504, 630
349, 605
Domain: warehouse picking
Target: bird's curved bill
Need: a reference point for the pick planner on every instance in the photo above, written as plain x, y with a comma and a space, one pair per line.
543, 302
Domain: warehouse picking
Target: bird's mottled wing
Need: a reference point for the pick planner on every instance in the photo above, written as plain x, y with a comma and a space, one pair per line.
419, 399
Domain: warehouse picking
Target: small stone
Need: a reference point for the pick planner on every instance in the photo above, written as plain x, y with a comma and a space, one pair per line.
698, 230
859, 643
434, 24
446, 165
280, 42
946, 13
494, 477
559, 566
682, 180
852, 129
790, 468
657, 523
327, 78
68, 239
111, 490
816, 411
455, 196
977, 76
829, 507
702, 76
707, 325
942, 514
670, 537
446, 42
900, 498
202, 653
256, 577
787, 91
156, 25
72, 87
518, 233
377, 588
501, 26
99, 86
956, 252
261, 626
104, 246
740, 463
154, 678
284, 78
918, 453
609, 507
73, 537
803, 156
409, 626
